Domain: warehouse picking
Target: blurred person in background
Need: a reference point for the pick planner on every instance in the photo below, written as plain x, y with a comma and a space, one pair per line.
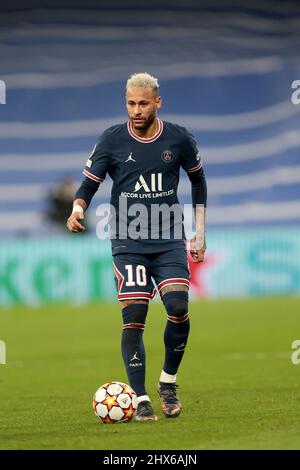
60, 203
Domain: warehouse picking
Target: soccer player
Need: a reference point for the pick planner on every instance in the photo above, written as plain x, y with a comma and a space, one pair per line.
143, 157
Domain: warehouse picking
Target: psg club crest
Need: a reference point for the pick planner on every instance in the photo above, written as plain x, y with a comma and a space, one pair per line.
167, 156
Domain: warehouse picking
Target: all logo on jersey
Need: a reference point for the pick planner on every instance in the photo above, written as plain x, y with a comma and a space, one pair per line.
149, 187
155, 184
89, 163
167, 156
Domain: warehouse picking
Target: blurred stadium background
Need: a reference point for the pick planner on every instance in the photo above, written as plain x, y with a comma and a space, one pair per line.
225, 70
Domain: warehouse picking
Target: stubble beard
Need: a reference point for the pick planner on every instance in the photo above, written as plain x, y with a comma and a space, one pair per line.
145, 125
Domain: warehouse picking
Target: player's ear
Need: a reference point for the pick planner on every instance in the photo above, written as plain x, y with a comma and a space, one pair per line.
158, 102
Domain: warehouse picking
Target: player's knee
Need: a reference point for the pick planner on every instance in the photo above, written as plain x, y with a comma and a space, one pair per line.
134, 316
176, 303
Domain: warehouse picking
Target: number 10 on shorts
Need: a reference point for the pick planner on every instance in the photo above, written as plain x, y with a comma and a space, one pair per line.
137, 278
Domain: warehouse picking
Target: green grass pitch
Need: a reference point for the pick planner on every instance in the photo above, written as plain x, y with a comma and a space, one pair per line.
238, 386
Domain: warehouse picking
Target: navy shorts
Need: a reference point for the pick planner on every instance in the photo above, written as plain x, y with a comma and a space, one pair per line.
138, 275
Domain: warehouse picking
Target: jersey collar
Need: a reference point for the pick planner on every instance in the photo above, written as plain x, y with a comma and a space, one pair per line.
148, 139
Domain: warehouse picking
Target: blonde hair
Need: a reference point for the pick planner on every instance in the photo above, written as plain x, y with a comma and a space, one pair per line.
144, 80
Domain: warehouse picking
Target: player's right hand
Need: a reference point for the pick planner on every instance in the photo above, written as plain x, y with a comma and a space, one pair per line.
73, 223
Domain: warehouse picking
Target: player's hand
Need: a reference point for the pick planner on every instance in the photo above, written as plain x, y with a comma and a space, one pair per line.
74, 224
197, 253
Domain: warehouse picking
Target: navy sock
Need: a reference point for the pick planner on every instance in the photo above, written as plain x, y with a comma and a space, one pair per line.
133, 349
177, 329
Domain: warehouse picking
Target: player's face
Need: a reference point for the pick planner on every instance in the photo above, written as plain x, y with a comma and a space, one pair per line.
142, 105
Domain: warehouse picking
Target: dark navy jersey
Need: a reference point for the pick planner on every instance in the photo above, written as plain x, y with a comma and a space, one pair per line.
145, 171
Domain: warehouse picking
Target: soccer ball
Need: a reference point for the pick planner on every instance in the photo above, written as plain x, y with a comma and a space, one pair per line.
115, 402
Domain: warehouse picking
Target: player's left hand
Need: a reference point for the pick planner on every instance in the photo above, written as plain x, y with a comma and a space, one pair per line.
197, 253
